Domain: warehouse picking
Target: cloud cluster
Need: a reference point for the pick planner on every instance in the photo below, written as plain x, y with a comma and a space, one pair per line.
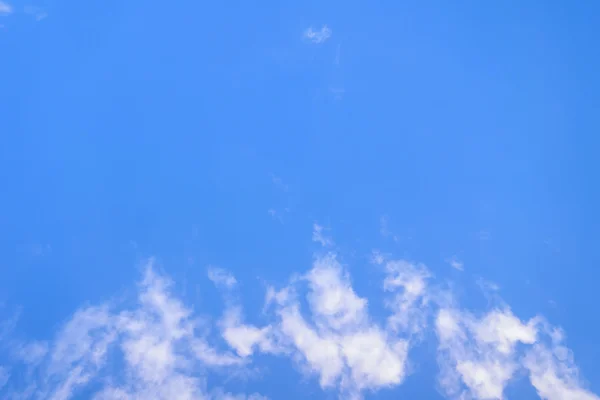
477, 356
157, 349
152, 350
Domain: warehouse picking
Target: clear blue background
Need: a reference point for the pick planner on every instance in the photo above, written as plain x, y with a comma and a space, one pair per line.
135, 129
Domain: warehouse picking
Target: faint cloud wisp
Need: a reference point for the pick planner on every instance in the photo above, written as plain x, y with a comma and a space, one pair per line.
278, 182
37, 12
456, 264
221, 277
5, 8
319, 237
319, 36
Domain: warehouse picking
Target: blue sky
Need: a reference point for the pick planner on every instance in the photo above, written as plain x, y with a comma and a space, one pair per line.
299, 199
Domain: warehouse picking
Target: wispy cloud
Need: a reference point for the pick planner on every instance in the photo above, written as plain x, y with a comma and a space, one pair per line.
221, 277
38, 13
279, 212
279, 183
317, 36
384, 229
319, 236
342, 346
246, 339
553, 372
487, 287
456, 263
408, 282
477, 356
274, 214
5, 8
278, 215
157, 349
158, 342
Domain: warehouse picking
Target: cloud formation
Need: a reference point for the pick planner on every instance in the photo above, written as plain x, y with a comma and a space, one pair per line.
156, 348
221, 278
456, 264
477, 357
339, 343
319, 36
552, 370
157, 345
5, 8
319, 236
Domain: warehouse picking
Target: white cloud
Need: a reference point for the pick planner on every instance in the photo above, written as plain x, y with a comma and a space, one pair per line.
246, 338
456, 264
332, 299
5, 8
343, 347
221, 277
407, 282
79, 352
158, 343
319, 36
157, 349
319, 237
377, 257
321, 354
477, 356
30, 353
553, 372
490, 289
